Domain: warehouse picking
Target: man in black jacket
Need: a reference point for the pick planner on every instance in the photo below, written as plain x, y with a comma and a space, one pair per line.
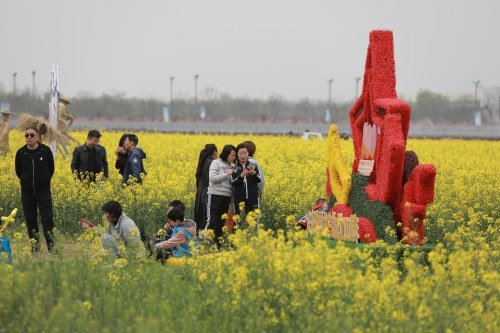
90, 159
35, 168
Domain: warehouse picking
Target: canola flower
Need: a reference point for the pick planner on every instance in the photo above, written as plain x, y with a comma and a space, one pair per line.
295, 178
265, 279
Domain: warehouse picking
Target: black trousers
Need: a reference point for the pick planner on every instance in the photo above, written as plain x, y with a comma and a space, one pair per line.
250, 204
42, 200
163, 254
218, 205
200, 208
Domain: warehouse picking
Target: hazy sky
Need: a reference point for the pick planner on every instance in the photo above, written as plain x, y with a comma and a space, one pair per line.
245, 48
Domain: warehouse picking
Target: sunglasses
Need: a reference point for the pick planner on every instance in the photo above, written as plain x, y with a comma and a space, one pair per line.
29, 135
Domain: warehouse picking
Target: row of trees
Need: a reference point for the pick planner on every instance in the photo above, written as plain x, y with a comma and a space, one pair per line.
427, 106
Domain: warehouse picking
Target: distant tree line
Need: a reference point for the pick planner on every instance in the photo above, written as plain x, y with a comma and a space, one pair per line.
220, 107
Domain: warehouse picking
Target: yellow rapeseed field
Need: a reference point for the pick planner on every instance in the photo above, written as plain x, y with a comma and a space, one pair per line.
269, 280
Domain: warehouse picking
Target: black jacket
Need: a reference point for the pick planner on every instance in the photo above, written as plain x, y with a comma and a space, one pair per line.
80, 159
36, 170
245, 187
121, 160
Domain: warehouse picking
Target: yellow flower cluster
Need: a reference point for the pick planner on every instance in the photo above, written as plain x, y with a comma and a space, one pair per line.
294, 170
266, 279
466, 186
338, 172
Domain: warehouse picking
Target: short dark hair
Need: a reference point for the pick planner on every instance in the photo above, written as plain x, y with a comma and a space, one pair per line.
113, 208
32, 128
175, 214
94, 134
226, 151
241, 146
321, 200
133, 138
252, 148
177, 204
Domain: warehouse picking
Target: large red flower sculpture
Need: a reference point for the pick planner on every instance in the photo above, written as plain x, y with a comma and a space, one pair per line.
380, 124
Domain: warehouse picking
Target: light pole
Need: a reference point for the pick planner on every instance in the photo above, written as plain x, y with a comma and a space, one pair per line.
328, 116
476, 84
14, 83
172, 93
476, 117
33, 73
196, 89
329, 92
357, 83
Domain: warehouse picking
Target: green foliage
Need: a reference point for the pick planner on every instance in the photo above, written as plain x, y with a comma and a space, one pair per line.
379, 213
431, 105
219, 107
262, 285
437, 107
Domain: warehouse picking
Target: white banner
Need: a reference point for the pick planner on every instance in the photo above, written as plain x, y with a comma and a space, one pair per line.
54, 103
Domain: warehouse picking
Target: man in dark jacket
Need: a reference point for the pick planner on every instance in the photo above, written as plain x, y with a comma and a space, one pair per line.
134, 166
35, 167
90, 158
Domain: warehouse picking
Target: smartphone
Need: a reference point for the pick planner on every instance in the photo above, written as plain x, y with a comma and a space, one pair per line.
86, 224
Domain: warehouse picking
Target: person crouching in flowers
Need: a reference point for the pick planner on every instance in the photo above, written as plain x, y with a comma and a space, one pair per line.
321, 205
166, 232
120, 229
245, 179
183, 231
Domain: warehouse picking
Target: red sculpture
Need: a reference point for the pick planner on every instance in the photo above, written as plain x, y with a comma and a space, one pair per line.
406, 193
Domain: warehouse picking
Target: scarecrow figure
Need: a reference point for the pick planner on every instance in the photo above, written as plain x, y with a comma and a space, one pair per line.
43, 127
4, 131
64, 122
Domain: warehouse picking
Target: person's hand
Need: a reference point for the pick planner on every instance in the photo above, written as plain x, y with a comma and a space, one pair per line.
251, 171
244, 173
228, 171
120, 150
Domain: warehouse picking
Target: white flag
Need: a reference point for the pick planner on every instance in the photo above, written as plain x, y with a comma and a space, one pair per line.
54, 103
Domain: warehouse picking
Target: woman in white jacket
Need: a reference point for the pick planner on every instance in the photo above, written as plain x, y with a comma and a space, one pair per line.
220, 190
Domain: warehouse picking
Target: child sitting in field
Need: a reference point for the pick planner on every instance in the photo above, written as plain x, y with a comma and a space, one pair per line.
321, 205
166, 232
183, 231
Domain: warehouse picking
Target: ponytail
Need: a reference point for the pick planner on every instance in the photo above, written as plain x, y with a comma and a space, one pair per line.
209, 149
